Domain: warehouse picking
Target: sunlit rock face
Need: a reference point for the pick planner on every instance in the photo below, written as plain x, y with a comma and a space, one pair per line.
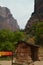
6, 20
37, 15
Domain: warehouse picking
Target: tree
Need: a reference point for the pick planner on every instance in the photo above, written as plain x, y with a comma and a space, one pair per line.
6, 35
38, 32
9, 39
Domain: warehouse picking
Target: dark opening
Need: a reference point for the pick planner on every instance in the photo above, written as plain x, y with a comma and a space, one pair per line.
34, 53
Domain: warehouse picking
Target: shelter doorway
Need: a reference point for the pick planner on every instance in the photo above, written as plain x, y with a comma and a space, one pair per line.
34, 53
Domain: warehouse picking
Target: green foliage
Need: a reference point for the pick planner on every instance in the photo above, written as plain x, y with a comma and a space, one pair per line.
9, 39
37, 30
6, 35
7, 46
18, 36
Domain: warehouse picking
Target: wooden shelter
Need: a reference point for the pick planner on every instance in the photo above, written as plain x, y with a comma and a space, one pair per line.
26, 52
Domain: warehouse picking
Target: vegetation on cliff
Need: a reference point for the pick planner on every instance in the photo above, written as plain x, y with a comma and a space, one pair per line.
37, 31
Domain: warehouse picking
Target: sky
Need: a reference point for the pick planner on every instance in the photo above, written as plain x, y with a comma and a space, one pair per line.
20, 9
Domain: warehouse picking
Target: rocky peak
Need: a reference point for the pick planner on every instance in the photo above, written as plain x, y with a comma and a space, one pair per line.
6, 20
4, 11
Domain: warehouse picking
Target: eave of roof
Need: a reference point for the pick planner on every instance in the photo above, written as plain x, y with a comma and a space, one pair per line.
29, 43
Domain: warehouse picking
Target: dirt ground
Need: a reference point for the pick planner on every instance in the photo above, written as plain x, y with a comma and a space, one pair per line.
10, 63
37, 63
5, 62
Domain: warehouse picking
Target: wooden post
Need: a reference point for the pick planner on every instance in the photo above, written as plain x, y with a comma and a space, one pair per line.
12, 58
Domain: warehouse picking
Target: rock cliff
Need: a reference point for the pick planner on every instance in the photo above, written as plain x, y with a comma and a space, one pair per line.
6, 20
37, 15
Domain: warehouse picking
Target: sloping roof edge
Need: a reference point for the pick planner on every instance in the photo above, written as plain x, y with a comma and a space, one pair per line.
28, 43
